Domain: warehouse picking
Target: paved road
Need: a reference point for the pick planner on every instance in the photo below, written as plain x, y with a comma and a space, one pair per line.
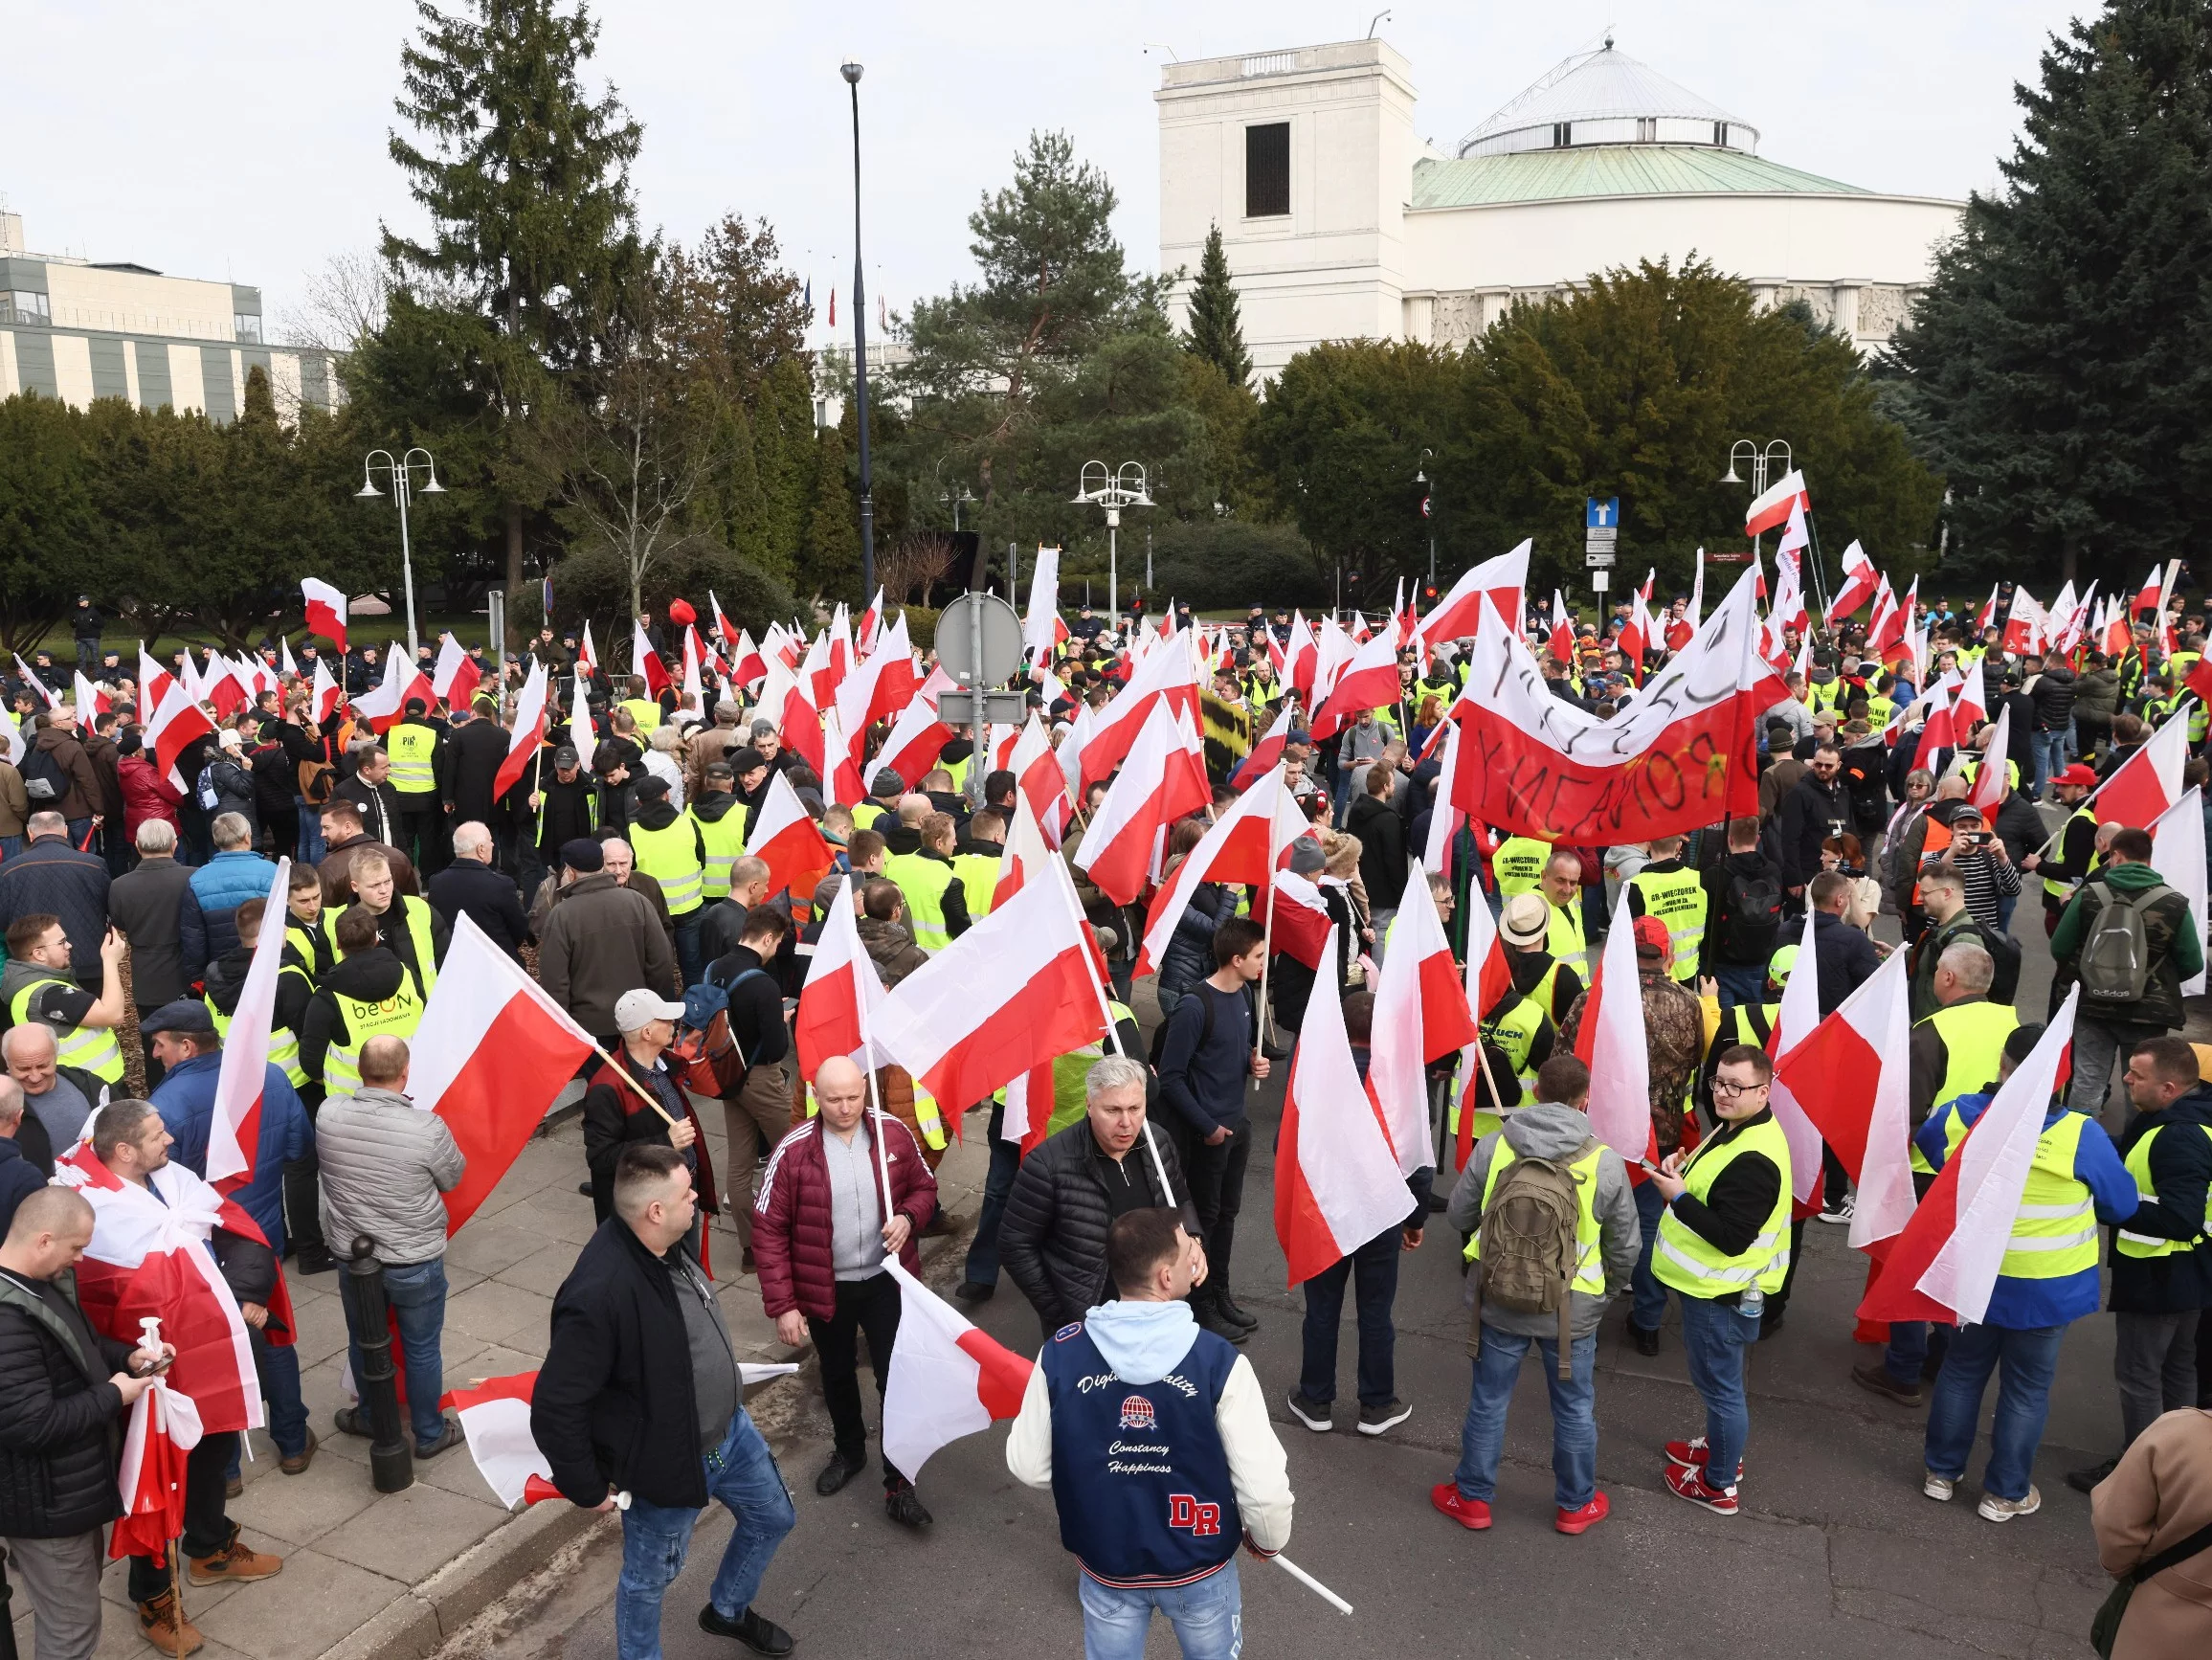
1837, 1554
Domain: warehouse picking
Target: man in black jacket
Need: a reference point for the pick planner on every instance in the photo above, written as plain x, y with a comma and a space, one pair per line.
641, 1394
473, 886
755, 1118
67, 1388
1814, 809
1052, 1239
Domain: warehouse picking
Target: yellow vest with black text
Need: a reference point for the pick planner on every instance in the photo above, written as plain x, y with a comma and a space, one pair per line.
1518, 864
1588, 1262
724, 839
414, 750
1879, 710
1678, 899
418, 935
1514, 1027
284, 1041
2139, 1163
394, 1016
2054, 1233
1683, 1260
670, 856
88, 1049
922, 881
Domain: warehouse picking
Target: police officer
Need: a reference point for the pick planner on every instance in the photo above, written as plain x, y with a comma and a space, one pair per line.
417, 748
1154, 1439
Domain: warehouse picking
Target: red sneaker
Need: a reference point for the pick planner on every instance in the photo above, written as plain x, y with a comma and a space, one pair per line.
1694, 1454
1690, 1484
1582, 1519
1471, 1514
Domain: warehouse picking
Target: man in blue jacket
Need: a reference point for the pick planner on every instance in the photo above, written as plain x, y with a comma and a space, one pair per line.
207, 924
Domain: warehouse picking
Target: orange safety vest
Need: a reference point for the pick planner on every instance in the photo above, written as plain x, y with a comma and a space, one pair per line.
1938, 839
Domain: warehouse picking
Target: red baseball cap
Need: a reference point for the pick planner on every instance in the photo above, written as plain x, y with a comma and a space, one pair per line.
2076, 775
1651, 937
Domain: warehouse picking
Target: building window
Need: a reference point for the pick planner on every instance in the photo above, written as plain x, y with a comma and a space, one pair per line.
247, 324
1267, 170
1647, 129
24, 305
1720, 134
1562, 134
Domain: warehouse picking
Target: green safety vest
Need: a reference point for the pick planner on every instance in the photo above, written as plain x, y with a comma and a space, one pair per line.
2054, 1233
645, 712
312, 942
1589, 1263
867, 812
670, 856
417, 914
284, 1041
1518, 864
978, 874
88, 1049
1514, 1027
1564, 939
923, 880
2145, 1244
1680, 1258
725, 841
959, 771
395, 1017
2052, 886
1678, 899
413, 749
1879, 710
1974, 1034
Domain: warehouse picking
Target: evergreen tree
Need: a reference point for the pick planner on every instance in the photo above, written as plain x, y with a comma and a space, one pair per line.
830, 564
2056, 367
1216, 333
526, 180
784, 459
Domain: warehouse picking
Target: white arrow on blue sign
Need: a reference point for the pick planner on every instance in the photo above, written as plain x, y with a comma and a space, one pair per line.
1601, 512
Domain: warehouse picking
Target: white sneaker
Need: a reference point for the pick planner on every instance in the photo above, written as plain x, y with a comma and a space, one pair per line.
1938, 1488
2004, 1510
1841, 1211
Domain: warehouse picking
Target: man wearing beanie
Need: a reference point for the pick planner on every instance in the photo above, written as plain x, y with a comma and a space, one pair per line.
600, 939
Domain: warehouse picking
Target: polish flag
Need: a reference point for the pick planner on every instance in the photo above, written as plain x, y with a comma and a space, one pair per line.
456, 678
31, 679
90, 699
234, 1128
326, 610
837, 1003
1445, 820
1796, 538
2118, 635
2152, 596
1989, 786
1333, 646
693, 696
1788, 610
1774, 507
1851, 1075
1337, 1181
1458, 613
165, 1426
2021, 623
1368, 682
881, 685
731, 635
784, 835
491, 1052
948, 1378
154, 681
1635, 638
1562, 639
174, 724
1026, 853
1301, 657
1041, 628
527, 732
916, 738
1242, 848
1420, 1015
1860, 581
583, 736
645, 660
1024, 857
1162, 778
1297, 919
2149, 782
814, 669
585, 653
844, 653
1165, 676
1795, 1021
2177, 845
324, 693
223, 688
1610, 1041
383, 705
1268, 752
799, 719
871, 621
1489, 977
842, 780
1944, 1264
1040, 781
1988, 615
1971, 706
1014, 992
746, 664
289, 669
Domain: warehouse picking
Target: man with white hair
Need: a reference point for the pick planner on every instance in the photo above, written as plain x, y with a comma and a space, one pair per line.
146, 906
472, 885
58, 1099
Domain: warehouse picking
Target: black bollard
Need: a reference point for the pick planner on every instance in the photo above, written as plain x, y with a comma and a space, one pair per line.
369, 1318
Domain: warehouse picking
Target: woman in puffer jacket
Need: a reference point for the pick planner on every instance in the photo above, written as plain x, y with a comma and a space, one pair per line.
1189, 958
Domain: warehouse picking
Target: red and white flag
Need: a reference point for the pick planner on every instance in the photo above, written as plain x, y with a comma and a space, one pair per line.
1420, 1015
1040, 781
870, 627
175, 724
837, 1003
383, 703
1970, 708
1458, 613
786, 836
1041, 628
2021, 623
1988, 616
2178, 851
585, 653
1562, 639
1337, 1182
1945, 1263
154, 681
2149, 782
31, 679
491, 1052
730, 634
1860, 581
1162, 778
1992, 780
1268, 751
1489, 977
948, 1377
583, 736
1793, 1023
1446, 819
1853, 1076
1242, 848
235, 1130
90, 699
1610, 1041
1166, 675
1012, 994
1796, 539
457, 677
1368, 682
324, 692
645, 660
526, 734
326, 610
1301, 657
1297, 917
916, 738
1772, 506
165, 1426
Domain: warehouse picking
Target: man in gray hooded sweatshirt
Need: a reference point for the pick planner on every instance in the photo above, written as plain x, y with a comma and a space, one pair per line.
1610, 1239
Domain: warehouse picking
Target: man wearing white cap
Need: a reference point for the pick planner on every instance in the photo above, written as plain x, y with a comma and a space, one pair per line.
617, 1114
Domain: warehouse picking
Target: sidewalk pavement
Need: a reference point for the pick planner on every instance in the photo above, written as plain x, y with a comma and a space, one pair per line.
392, 1575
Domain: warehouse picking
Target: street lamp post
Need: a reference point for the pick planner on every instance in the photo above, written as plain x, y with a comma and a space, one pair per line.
1122, 488
852, 74
401, 475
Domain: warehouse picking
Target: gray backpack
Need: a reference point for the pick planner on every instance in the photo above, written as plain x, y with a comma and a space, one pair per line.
2115, 957
1529, 1248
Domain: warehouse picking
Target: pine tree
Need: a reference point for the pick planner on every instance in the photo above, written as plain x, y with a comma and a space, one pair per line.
525, 181
1216, 333
830, 567
2056, 367
783, 448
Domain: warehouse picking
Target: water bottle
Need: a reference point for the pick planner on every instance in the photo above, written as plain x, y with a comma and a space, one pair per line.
1754, 1304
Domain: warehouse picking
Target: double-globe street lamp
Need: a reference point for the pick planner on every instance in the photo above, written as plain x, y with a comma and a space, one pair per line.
400, 474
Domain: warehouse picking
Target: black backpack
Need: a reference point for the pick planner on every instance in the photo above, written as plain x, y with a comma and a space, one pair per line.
44, 781
1751, 917
2004, 960
1159, 1041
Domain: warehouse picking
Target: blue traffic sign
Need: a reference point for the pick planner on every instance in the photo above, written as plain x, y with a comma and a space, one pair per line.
1601, 512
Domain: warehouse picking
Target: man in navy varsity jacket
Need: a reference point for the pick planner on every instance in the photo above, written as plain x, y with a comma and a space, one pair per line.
1154, 1439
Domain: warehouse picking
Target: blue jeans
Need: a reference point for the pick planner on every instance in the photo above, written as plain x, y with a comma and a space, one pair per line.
79, 830
1208, 1617
1740, 982
416, 1293
1373, 1272
742, 1474
997, 1183
2025, 1362
1910, 1342
2050, 756
312, 846
279, 1367
1715, 1335
687, 957
1574, 1416
10, 846
1646, 1296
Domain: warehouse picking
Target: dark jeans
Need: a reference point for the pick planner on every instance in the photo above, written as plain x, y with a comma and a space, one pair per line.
1779, 1303
1910, 1343
870, 1305
416, 1294
206, 1523
2025, 1362
1648, 1297
421, 833
2155, 1363
1005, 1165
302, 1199
1373, 1272
687, 958
1740, 982
1216, 1178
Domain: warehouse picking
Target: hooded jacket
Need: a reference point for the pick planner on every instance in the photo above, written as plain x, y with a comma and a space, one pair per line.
370, 977
2169, 934
1550, 1131
891, 948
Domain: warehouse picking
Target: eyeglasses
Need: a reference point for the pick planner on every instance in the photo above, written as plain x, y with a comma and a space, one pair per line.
1722, 1087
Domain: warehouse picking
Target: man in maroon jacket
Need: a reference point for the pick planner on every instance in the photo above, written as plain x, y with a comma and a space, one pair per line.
843, 1191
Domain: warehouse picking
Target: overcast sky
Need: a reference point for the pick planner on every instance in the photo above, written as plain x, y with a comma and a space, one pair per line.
247, 139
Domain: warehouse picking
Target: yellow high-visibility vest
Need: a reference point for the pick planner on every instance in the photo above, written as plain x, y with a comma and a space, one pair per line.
414, 749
